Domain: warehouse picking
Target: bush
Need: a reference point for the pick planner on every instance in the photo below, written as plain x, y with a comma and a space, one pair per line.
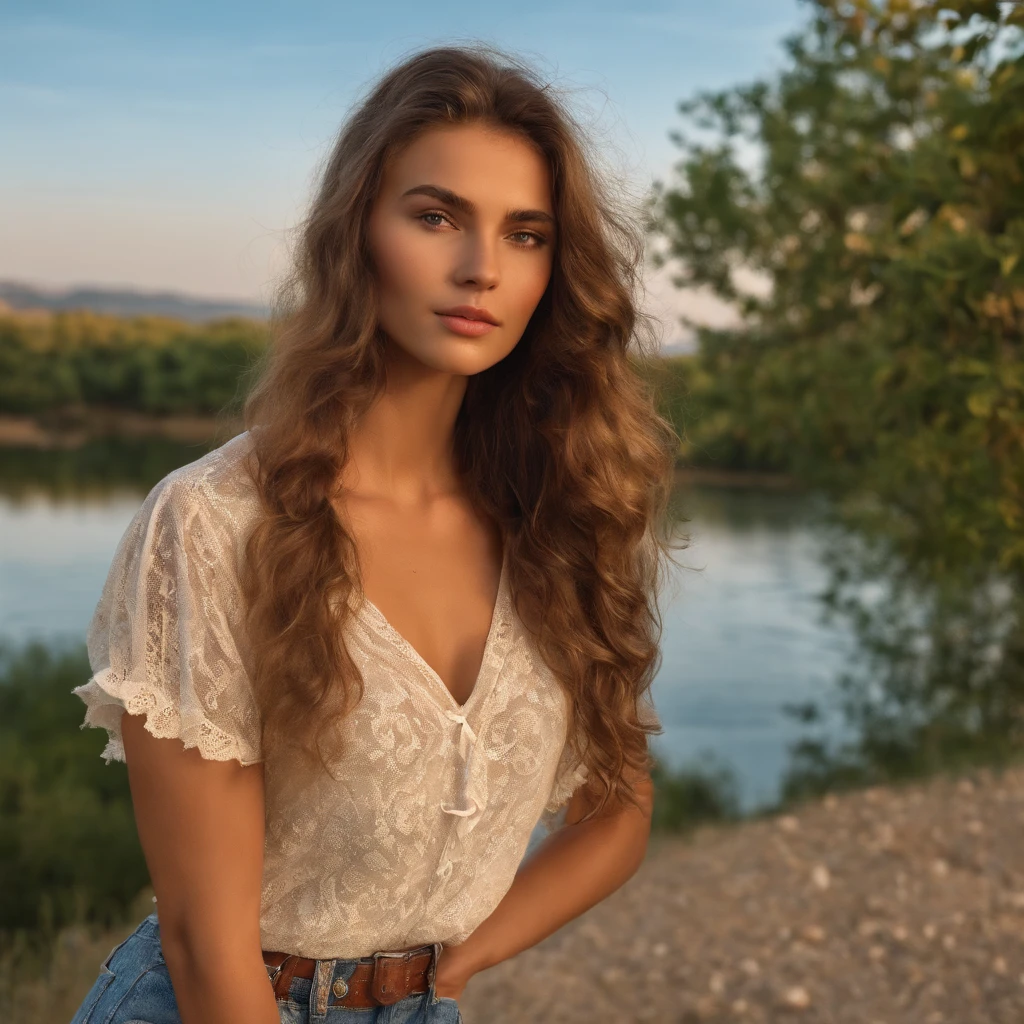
691, 796
69, 851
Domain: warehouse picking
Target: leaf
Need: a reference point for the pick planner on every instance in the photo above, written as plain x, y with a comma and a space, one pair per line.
981, 403
970, 368
968, 168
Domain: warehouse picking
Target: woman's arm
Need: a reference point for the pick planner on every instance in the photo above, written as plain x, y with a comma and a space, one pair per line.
201, 825
575, 868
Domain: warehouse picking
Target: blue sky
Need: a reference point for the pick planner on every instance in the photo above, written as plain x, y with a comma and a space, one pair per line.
171, 146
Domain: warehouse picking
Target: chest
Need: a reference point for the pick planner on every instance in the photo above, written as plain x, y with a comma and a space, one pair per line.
433, 578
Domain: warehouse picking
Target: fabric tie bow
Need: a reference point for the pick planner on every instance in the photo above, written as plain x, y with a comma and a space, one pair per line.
467, 743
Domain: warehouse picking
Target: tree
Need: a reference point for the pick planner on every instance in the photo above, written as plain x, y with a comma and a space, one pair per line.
878, 184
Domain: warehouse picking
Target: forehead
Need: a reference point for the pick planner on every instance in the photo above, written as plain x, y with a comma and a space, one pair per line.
490, 167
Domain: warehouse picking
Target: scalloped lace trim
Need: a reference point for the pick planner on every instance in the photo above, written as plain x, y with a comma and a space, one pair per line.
107, 698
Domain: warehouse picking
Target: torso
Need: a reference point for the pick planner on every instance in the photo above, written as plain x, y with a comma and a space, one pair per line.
434, 576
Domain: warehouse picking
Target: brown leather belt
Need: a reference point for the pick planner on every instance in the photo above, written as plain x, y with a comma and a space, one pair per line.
378, 981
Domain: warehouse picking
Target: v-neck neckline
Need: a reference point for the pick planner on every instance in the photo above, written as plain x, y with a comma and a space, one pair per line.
497, 631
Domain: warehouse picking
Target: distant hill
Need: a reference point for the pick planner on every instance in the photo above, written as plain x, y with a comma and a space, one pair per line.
125, 302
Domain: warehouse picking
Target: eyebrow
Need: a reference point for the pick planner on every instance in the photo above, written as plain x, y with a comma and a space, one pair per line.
446, 195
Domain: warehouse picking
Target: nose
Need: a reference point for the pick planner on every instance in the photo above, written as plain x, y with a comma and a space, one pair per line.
478, 262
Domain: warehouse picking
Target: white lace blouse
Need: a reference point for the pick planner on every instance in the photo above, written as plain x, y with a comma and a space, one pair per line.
423, 836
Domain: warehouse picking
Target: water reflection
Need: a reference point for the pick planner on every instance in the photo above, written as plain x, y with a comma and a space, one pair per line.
938, 683
93, 470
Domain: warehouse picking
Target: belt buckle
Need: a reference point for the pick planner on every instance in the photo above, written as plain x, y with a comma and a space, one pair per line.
379, 984
274, 972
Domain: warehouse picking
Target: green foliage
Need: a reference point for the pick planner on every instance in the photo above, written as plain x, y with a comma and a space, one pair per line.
95, 468
69, 851
692, 796
145, 364
877, 187
700, 410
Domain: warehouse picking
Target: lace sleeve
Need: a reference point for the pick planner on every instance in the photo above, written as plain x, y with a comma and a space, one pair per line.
164, 639
571, 774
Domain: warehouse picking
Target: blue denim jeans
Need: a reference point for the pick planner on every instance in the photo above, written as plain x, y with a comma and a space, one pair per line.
134, 987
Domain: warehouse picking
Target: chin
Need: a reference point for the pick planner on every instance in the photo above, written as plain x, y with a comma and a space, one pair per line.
466, 363
462, 356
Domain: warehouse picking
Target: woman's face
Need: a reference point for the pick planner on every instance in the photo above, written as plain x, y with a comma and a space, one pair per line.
463, 218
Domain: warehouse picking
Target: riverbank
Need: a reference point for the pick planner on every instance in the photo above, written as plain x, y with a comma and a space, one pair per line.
896, 905
72, 431
902, 905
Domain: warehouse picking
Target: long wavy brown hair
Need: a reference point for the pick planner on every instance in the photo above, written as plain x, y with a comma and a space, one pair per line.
559, 443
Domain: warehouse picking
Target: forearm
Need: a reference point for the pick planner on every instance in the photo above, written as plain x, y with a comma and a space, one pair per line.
574, 869
224, 989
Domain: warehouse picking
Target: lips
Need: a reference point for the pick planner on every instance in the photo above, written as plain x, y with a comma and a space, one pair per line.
466, 327
470, 313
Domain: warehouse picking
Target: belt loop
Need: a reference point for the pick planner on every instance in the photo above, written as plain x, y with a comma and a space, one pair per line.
432, 972
319, 994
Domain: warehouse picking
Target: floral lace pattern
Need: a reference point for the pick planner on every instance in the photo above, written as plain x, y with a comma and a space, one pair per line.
422, 837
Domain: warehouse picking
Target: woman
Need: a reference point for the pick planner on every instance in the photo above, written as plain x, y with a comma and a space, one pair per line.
355, 653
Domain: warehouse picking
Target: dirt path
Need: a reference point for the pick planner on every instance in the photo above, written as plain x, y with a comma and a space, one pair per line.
879, 907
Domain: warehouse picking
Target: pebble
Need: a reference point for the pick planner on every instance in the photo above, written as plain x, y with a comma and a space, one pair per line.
796, 998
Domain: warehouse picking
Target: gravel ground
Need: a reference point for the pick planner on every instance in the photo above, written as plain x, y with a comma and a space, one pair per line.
882, 906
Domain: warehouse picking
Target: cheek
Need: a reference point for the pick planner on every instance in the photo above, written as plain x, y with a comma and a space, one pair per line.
532, 285
402, 264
